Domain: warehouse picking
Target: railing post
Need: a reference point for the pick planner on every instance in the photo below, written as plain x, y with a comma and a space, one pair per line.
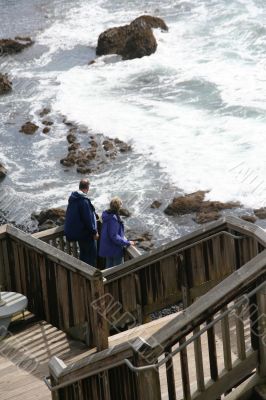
100, 325
148, 381
261, 302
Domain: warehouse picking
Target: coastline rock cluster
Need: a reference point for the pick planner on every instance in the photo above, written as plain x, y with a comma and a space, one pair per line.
49, 218
29, 128
12, 46
5, 84
90, 159
205, 210
131, 41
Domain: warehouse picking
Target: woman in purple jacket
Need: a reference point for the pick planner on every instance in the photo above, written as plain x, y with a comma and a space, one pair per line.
112, 240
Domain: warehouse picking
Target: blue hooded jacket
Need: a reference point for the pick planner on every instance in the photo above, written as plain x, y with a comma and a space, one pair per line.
80, 222
112, 238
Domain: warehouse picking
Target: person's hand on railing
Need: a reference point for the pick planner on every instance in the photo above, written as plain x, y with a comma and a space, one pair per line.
132, 243
96, 236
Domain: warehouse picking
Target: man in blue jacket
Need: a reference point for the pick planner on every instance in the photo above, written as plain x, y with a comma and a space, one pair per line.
80, 223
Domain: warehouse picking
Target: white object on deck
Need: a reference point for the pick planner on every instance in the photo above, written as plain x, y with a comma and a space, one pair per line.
11, 303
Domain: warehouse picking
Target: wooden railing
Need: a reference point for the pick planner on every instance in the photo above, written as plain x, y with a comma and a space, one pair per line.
181, 271
56, 238
203, 353
59, 287
67, 292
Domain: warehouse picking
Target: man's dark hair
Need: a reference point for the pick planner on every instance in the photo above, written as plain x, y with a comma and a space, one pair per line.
84, 184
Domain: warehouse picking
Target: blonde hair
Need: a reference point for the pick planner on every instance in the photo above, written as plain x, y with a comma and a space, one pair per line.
115, 204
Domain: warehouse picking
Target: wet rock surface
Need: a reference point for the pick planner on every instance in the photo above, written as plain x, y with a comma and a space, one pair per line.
260, 212
143, 240
5, 84
131, 41
90, 159
249, 218
205, 210
29, 128
49, 218
12, 46
156, 204
3, 171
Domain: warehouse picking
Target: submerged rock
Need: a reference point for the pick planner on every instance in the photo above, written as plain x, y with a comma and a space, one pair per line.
131, 41
3, 171
156, 204
29, 128
12, 46
5, 84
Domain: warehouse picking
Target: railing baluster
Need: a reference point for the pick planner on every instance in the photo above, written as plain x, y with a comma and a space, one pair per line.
170, 374
226, 341
240, 333
199, 362
185, 371
212, 352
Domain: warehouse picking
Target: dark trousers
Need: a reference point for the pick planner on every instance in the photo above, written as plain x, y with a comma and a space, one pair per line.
88, 251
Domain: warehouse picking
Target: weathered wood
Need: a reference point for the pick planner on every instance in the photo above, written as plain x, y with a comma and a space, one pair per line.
261, 302
199, 362
101, 329
170, 375
226, 341
240, 333
185, 371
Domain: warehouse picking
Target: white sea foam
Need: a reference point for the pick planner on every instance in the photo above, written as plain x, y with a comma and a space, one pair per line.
196, 106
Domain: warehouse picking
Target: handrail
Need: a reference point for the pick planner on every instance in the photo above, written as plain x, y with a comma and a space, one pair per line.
105, 273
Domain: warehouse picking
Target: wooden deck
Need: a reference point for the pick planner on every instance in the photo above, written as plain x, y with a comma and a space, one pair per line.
25, 353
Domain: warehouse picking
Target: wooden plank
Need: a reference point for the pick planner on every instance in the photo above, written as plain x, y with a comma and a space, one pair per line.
240, 333
185, 371
212, 352
170, 376
226, 341
199, 362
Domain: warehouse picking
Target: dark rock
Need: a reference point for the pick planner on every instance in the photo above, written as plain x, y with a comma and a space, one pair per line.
131, 41
84, 170
124, 212
186, 204
194, 202
68, 161
46, 130
47, 123
249, 218
5, 84
44, 112
73, 146
203, 217
91, 62
12, 46
71, 138
52, 214
146, 245
93, 143
108, 145
68, 123
49, 224
139, 236
260, 212
156, 204
3, 171
29, 128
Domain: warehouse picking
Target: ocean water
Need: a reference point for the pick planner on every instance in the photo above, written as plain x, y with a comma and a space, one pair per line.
194, 111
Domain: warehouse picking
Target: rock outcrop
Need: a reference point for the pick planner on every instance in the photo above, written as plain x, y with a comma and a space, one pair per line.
12, 46
135, 40
90, 159
260, 212
49, 218
5, 84
29, 128
194, 203
3, 171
